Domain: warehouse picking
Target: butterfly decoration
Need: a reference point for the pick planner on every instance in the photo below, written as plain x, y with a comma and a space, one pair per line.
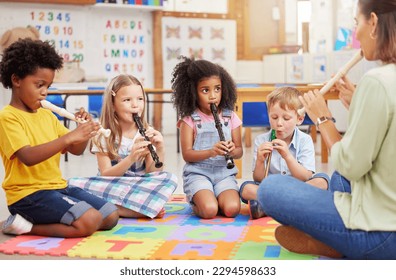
173, 32
218, 54
194, 33
172, 53
217, 33
196, 53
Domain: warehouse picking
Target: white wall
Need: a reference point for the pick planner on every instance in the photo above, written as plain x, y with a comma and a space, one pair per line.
321, 38
291, 22
5, 96
249, 71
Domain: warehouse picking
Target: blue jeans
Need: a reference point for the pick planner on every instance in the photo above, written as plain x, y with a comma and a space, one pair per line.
59, 206
317, 175
312, 210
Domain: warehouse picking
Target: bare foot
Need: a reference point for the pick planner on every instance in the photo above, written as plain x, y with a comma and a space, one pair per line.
161, 214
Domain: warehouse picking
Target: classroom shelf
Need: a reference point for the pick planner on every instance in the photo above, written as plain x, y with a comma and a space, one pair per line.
128, 6
71, 2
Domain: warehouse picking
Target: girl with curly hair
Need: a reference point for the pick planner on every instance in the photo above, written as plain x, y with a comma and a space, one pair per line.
210, 187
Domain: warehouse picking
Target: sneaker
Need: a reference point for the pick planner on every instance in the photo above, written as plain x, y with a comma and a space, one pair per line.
16, 225
255, 210
299, 242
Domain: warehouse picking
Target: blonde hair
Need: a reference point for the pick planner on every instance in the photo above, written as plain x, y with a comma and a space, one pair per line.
109, 118
286, 97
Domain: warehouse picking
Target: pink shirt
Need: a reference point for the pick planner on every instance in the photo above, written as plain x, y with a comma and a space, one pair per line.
234, 121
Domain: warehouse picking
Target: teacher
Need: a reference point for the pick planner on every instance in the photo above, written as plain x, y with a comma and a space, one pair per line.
356, 217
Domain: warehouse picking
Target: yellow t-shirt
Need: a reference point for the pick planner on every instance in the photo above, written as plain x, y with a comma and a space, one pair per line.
19, 129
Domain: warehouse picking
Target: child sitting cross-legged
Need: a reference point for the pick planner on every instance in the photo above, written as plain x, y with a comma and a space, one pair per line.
32, 139
292, 152
128, 176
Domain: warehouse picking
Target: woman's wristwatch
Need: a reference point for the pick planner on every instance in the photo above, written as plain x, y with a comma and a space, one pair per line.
324, 119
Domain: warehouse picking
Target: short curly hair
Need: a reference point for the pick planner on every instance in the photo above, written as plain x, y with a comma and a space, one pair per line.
24, 57
186, 76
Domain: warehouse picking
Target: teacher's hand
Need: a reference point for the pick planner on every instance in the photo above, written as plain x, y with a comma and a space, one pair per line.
315, 105
346, 89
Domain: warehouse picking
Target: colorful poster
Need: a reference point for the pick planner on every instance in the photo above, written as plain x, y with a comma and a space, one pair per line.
58, 24
122, 43
210, 39
104, 43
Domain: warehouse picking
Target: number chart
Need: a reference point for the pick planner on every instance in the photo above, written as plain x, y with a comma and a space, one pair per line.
61, 29
58, 24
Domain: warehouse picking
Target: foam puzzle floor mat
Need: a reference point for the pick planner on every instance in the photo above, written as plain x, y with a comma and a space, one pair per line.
178, 235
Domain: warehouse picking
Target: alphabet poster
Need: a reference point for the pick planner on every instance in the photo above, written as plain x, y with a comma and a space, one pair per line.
121, 43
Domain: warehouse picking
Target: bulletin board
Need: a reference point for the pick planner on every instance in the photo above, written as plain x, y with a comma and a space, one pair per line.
106, 43
210, 39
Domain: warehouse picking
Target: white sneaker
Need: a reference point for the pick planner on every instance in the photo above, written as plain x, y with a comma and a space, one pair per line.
16, 225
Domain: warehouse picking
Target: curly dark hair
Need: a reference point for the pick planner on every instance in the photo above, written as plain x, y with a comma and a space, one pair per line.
24, 57
186, 76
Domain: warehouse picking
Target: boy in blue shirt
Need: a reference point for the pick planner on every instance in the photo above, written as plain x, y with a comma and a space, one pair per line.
292, 151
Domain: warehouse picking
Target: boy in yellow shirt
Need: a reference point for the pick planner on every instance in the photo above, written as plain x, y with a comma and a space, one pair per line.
31, 143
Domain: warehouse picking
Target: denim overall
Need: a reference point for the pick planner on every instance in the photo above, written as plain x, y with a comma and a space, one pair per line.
210, 173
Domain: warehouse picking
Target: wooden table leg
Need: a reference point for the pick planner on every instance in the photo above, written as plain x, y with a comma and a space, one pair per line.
314, 133
248, 137
157, 112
